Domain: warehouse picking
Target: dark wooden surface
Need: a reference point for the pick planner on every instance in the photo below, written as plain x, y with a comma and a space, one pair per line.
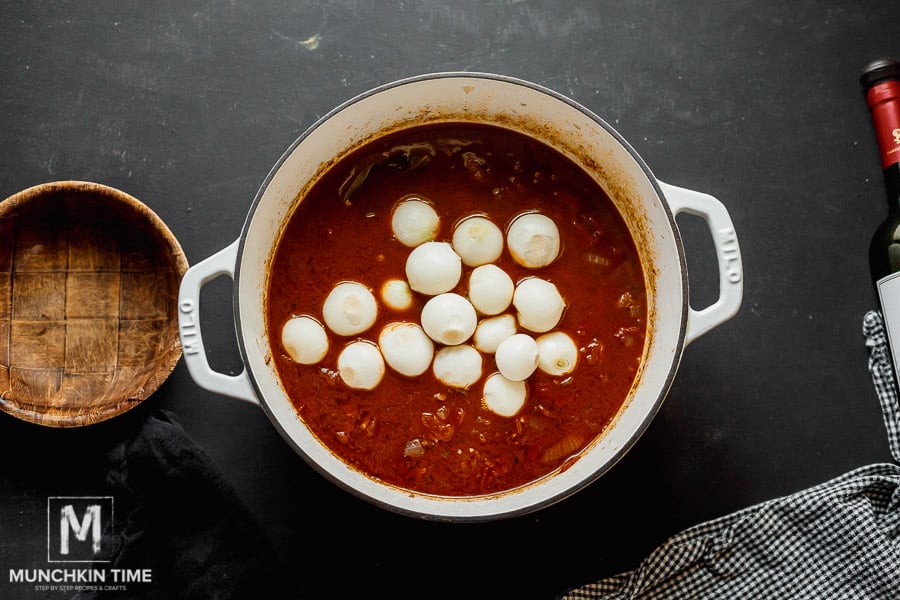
187, 104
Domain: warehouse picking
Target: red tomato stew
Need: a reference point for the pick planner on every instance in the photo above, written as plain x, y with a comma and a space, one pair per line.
419, 433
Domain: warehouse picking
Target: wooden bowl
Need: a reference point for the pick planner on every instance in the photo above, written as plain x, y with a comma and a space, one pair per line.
89, 282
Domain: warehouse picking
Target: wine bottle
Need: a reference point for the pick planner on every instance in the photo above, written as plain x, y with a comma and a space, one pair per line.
881, 81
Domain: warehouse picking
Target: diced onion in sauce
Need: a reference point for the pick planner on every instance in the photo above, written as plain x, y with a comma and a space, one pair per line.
413, 448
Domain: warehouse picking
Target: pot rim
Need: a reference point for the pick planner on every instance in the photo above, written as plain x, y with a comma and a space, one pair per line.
564, 491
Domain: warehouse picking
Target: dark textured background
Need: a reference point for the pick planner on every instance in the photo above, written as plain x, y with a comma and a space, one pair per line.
187, 104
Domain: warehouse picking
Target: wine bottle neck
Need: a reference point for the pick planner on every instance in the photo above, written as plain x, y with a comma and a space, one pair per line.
884, 101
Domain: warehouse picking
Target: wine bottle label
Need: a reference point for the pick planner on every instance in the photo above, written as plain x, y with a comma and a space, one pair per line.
889, 297
884, 100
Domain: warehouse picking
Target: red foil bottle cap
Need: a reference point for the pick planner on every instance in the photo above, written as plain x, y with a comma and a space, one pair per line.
885, 91
881, 79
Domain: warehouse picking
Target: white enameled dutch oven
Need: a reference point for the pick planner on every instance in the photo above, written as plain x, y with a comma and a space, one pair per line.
648, 206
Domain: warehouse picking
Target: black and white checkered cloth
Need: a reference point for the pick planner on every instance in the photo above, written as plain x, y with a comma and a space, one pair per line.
837, 540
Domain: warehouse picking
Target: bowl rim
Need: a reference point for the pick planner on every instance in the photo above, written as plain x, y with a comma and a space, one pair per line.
178, 264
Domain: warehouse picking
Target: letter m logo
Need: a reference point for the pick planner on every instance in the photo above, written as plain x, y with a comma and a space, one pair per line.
75, 526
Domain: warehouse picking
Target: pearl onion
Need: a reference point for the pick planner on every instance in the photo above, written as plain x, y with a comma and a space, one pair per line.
449, 319
305, 340
539, 304
396, 295
406, 348
502, 396
477, 241
350, 308
533, 240
433, 268
414, 221
517, 357
490, 289
557, 353
490, 332
457, 366
360, 365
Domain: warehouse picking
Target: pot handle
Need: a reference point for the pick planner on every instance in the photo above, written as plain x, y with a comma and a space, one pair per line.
235, 386
731, 272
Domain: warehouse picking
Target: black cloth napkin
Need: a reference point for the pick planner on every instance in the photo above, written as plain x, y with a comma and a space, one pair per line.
840, 539
177, 516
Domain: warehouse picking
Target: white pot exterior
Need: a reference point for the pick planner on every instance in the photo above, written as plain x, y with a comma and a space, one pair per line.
645, 203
